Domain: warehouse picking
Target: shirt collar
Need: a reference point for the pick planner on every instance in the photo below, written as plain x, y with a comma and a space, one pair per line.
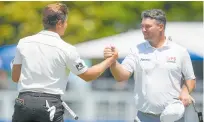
166, 43
50, 33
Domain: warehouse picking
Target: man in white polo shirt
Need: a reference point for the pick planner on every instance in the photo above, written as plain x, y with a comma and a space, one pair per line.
158, 65
41, 66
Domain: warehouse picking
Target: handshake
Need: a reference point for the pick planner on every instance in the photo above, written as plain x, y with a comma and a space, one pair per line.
110, 52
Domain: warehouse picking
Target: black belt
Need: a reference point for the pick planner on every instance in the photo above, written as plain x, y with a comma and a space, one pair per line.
38, 94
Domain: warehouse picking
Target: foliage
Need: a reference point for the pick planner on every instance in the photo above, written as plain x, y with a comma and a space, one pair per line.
89, 20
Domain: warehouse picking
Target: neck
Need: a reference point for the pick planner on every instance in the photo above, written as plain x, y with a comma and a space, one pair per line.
157, 43
53, 30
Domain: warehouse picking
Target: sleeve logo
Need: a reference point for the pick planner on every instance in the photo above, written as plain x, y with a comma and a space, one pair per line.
79, 66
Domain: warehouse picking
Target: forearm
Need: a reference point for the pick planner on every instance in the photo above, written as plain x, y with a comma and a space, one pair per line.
95, 71
190, 84
118, 72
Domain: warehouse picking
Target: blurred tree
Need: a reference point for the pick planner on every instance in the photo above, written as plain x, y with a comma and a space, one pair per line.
89, 20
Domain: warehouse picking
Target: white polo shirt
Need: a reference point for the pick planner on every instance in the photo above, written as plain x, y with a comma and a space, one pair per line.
157, 74
46, 61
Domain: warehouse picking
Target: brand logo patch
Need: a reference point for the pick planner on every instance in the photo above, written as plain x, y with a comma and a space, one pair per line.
80, 66
144, 59
171, 59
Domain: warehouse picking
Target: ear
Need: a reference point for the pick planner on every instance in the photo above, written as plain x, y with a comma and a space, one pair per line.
59, 23
161, 27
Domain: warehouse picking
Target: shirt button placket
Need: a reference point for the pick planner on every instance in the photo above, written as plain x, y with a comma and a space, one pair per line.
156, 59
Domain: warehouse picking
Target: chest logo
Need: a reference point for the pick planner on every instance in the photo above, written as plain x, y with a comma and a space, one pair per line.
171, 59
144, 59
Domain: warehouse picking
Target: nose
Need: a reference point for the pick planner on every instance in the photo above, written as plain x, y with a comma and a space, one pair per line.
143, 29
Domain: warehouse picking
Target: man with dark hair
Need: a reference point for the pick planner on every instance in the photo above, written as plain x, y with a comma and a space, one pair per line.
41, 65
54, 13
156, 14
158, 65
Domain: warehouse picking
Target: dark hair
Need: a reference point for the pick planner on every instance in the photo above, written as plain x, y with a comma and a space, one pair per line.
52, 13
156, 14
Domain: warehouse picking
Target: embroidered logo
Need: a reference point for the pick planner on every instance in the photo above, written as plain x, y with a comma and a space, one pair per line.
144, 59
171, 59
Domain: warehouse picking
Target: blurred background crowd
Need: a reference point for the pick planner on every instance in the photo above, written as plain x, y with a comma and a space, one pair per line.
103, 99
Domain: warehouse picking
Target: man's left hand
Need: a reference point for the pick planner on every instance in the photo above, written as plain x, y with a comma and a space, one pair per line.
185, 98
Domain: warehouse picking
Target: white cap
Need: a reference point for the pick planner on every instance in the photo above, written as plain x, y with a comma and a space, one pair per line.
173, 112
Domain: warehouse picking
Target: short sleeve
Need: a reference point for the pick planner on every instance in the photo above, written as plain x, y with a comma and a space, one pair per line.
186, 66
75, 63
129, 63
18, 57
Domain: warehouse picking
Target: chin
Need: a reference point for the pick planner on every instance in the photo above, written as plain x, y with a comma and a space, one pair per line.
146, 38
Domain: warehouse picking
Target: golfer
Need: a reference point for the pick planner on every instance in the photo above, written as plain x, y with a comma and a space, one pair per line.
41, 65
158, 65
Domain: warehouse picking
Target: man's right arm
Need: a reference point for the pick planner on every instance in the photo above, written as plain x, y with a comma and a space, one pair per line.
16, 65
95, 71
79, 68
119, 73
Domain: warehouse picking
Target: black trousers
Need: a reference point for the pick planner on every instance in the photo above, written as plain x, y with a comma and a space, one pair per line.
31, 107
